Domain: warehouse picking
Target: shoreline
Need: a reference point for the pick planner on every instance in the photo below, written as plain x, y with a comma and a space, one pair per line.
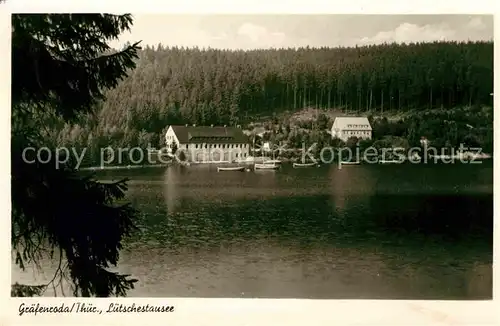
123, 167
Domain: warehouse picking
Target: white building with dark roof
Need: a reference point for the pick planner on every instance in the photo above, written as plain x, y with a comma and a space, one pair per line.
208, 144
346, 127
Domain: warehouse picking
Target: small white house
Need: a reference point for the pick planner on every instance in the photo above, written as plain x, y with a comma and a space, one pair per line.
346, 127
424, 142
266, 146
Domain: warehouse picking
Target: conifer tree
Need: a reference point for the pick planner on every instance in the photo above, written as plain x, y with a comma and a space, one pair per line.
61, 65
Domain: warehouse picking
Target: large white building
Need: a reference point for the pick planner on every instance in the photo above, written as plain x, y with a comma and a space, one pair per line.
208, 143
346, 127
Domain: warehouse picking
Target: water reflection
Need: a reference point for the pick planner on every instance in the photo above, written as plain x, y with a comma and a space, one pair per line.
359, 232
351, 183
171, 189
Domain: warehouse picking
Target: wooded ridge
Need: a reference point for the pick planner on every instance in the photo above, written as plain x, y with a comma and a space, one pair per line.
173, 85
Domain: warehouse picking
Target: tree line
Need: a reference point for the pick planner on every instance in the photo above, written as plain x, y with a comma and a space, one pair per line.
227, 87
176, 85
58, 74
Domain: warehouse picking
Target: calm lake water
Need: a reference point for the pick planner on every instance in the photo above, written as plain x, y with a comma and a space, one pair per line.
362, 232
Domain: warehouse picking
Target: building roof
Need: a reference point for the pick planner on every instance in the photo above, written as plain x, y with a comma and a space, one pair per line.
352, 123
207, 134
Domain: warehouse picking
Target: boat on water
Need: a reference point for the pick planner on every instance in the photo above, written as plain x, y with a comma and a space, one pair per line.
249, 160
273, 161
390, 161
267, 163
264, 166
350, 163
231, 168
481, 156
443, 157
304, 165
470, 156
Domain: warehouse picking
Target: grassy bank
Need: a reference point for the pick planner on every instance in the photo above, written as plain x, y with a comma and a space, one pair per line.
445, 128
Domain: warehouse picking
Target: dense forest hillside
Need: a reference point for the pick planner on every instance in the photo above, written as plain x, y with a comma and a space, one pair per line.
217, 86
210, 86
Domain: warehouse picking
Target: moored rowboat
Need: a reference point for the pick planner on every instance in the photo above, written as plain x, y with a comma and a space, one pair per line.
350, 163
272, 162
236, 168
304, 165
265, 166
390, 162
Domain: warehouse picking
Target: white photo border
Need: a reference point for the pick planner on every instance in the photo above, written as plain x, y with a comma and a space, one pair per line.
194, 311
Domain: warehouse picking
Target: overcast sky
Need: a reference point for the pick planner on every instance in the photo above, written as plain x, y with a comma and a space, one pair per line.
264, 31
